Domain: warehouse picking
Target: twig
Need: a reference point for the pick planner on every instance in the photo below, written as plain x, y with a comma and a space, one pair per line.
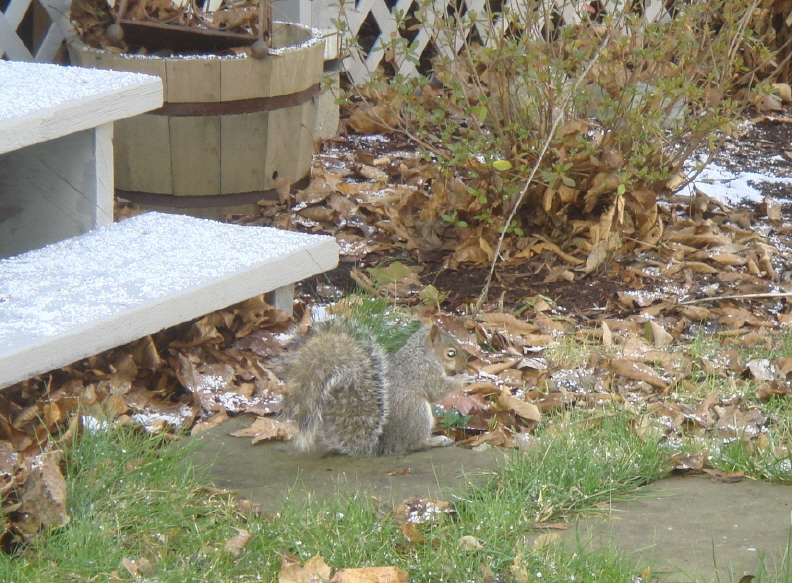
738, 297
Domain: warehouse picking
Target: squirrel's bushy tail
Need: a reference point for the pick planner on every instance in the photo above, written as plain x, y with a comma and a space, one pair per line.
342, 398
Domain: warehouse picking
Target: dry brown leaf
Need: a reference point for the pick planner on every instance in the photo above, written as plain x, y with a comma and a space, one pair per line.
465, 404
637, 371
544, 540
692, 266
511, 377
282, 185
138, 568
646, 430
549, 402
373, 119
373, 173
784, 91
473, 250
644, 197
352, 245
236, 18
371, 575
703, 414
187, 372
736, 422
769, 390
267, 429
659, 336
762, 369
497, 437
264, 343
482, 388
314, 570
698, 238
597, 257
509, 323
693, 462
204, 331
526, 410
470, 543
131, 567
498, 367
696, 313
213, 421
44, 491
536, 249
724, 477
412, 533
721, 256
236, 544
420, 510
519, 572
607, 336
209, 384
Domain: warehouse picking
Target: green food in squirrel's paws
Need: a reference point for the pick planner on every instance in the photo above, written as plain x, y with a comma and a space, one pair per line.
351, 396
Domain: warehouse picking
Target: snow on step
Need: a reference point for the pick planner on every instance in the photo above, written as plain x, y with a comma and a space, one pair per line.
112, 285
41, 102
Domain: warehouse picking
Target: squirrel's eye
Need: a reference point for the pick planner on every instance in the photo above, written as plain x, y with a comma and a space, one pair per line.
451, 353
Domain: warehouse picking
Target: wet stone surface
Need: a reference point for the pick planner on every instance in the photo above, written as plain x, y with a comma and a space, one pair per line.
695, 529
268, 473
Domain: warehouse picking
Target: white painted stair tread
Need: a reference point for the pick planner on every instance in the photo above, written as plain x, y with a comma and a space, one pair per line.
40, 101
77, 297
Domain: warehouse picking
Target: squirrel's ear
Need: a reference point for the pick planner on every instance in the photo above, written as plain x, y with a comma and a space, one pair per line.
434, 333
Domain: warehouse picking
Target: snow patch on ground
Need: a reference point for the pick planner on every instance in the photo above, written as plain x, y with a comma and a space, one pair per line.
732, 188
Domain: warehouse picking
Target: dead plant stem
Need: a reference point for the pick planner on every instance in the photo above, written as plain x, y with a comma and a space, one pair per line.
768, 295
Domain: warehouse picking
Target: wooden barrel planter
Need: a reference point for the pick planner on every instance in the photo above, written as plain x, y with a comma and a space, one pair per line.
229, 127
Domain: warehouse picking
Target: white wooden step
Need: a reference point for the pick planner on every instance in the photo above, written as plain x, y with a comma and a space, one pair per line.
56, 148
80, 296
41, 102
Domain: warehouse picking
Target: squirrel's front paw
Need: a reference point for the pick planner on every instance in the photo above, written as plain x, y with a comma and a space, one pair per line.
439, 441
462, 380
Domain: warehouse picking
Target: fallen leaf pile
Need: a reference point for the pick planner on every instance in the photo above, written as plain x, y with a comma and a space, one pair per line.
378, 196
91, 19
186, 378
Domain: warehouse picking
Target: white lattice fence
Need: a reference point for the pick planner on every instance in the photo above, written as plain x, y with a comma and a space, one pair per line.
55, 29
361, 17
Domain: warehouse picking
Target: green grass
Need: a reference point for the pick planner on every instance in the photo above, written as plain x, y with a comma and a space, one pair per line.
129, 498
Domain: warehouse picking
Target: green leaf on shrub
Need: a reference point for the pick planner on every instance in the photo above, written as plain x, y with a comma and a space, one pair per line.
502, 165
390, 274
480, 112
431, 295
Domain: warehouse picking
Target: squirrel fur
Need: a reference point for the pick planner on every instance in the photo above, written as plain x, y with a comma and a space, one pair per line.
352, 397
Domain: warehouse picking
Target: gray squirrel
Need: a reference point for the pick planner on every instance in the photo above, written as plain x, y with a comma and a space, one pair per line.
352, 397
